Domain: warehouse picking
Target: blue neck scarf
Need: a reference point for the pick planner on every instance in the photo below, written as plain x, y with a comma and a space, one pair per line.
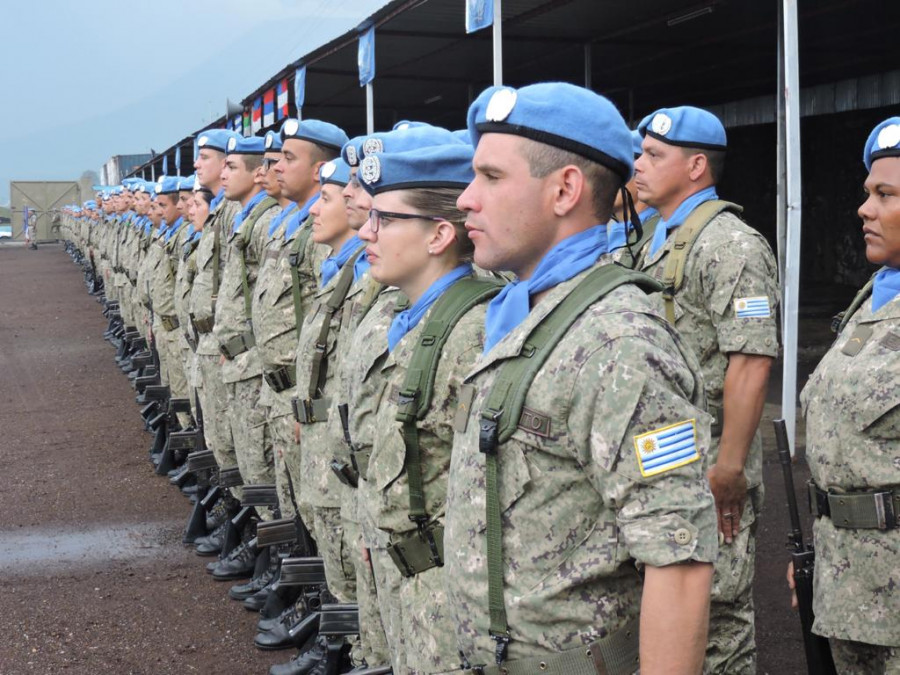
683, 211
617, 233
333, 263
567, 259
279, 219
148, 226
241, 215
175, 227
408, 319
361, 267
217, 200
297, 220
885, 287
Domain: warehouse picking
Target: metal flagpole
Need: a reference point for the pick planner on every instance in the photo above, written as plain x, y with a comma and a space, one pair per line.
793, 220
588, 64
498, 43
780, 175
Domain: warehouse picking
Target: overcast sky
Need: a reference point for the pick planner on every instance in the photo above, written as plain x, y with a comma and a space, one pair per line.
81, 82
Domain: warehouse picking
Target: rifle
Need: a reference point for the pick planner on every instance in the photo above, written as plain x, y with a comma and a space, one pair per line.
818, 652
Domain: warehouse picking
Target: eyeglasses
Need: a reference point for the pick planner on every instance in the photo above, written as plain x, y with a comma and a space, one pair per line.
377, 219
268, 163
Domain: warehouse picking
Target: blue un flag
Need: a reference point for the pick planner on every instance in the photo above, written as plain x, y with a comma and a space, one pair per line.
479, 14
366, 57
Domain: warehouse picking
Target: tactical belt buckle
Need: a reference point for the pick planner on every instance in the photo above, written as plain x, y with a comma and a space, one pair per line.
417, 551
884, 510
345, 473
279, 379
294, 259
487, 433
170, 323
304, 410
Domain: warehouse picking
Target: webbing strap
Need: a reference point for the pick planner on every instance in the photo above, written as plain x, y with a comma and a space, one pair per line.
296, 257
418, 385
504, 404
319, 367
685, 236
864, 294
246, 234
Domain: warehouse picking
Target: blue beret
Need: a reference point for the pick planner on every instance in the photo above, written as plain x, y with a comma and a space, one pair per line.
314, 131
463, 135
424, 167
215, 139
636, 140
145, 186
167, 185
252, 145
352, 150
337, 172
273, 141
685, 126
884, 141
410, 138
90, 204
563, 115
408, 124
186, 184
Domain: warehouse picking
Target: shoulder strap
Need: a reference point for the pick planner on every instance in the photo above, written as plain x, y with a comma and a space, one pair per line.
246, 235
839, 321
418, 385
648, 228
298, 251
503, 408
685, 236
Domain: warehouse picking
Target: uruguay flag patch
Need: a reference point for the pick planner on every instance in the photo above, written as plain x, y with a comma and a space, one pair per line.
752, 308
667, 448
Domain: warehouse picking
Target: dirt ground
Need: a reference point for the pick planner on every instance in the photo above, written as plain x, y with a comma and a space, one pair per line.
97, 580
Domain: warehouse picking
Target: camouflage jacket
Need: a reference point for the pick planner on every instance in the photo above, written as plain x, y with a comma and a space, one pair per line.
581, 511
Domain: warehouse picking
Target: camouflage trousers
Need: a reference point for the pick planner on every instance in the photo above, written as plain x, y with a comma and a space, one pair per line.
281, 432
336, 550
372, 647
387, 580
216, 422
862, 658
168, 345
731, 646
252, 444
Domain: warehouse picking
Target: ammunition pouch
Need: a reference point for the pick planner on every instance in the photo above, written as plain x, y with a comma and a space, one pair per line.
302, 572
360, 461
201, 460
280, 379
237, 345
157, 392
202, 326
345, 473
259, 495
230, 477
339, 620
873, 510
275, 532
419, 550
170, 323
311, 410
183, 440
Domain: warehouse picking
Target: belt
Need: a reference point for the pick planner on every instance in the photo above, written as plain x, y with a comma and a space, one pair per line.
280, 379
616, 654
876, 510
203, 326
237, 345
169, 322
311, 410
419, 550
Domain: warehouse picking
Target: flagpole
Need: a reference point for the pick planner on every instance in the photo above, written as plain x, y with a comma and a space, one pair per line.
370, 109
498, 43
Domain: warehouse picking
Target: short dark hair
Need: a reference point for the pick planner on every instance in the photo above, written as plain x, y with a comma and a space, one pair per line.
604, 183
323, 153
715, 159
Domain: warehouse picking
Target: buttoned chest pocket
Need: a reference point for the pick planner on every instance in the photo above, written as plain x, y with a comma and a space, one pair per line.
286, 286
877, 394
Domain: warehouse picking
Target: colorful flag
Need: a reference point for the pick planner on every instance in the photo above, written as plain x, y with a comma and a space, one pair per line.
269, 108
246, 129
479, 14
237, 124
178, 160
300, 87
256, 115
282, 110
365, 57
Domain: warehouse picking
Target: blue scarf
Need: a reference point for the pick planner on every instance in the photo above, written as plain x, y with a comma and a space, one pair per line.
241, 215
408, 319
885, 287
298, 219
216, 200
174, 229
333, 263
683, 211
567, 259
277, 220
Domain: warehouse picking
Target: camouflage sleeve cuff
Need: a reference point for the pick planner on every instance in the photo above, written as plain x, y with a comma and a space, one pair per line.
670, 538
748, 336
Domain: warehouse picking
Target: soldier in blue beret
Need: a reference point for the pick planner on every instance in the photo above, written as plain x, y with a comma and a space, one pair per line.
578, 512
721, 294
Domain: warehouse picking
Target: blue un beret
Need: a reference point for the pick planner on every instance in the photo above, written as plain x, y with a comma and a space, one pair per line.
273, 141
884, 141
167, 185
252, 145
408, 124
408, 138
352, 150
186, 184
685, 126
636, 140
90, 204
563, 115
215, 139
314, 131
336, 172
145, 186
424, 167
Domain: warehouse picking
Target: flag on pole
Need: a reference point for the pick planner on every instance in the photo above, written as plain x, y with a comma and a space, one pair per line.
479, 14
237, 123
365, 57
281, 111
269, 108
246, 129
165, 168
300, 88
256, 115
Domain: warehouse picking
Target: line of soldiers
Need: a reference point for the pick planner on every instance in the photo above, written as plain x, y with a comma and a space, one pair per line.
481, 400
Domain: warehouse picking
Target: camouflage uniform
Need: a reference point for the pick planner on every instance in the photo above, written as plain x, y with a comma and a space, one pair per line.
729, 261
212, 392
852, 406
429, 631
184, 280
242, 375
578, 517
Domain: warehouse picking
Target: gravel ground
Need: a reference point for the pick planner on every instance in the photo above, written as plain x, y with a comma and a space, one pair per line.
90, 540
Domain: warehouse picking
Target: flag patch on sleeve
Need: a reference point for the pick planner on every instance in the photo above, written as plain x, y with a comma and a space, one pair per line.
752, 308
667, 448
